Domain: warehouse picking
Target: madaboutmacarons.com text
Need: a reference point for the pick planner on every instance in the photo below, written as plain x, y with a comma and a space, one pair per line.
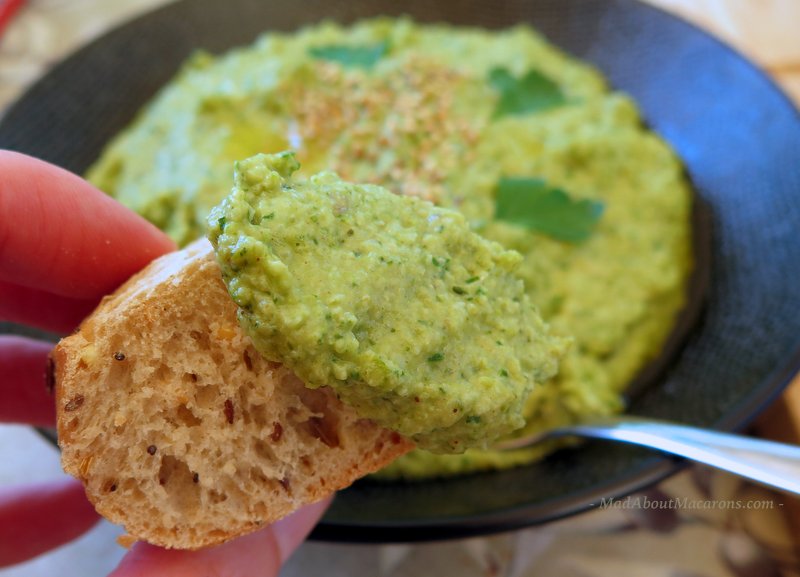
686, 503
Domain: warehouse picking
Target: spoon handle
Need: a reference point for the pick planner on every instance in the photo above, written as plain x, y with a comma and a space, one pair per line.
776, 465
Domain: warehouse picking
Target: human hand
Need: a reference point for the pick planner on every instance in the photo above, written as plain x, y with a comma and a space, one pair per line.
63, 245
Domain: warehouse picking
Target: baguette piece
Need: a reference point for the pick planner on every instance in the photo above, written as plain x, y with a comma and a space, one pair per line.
181, 431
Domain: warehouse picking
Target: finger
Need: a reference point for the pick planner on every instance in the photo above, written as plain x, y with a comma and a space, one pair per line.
258, 554
60, 234
42, 309
23, 390
37, 518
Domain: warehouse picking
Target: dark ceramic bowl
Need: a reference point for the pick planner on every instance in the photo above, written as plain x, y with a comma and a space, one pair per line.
738, 135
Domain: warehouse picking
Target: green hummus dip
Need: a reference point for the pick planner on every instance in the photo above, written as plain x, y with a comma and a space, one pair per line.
450, 115
413, 319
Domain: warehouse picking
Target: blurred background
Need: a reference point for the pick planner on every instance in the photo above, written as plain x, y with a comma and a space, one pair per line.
759, 542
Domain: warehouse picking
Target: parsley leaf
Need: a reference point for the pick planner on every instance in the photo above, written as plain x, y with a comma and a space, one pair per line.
532, 92
356, 56
533, 204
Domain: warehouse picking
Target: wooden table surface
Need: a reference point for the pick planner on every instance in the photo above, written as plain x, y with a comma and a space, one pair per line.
767, 31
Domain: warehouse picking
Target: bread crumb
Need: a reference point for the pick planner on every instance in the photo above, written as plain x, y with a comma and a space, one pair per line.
74, 403
86, 462
89, 355
226, 333
126, 541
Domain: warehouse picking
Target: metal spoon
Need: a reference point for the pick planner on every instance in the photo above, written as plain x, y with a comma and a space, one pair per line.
775, 465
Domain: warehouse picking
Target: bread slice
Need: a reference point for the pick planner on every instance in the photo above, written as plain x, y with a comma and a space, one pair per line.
181, 431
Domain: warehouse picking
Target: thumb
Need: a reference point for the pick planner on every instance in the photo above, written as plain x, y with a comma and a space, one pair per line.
260, 554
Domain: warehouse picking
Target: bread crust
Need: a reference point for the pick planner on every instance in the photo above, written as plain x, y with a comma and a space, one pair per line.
180, 431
